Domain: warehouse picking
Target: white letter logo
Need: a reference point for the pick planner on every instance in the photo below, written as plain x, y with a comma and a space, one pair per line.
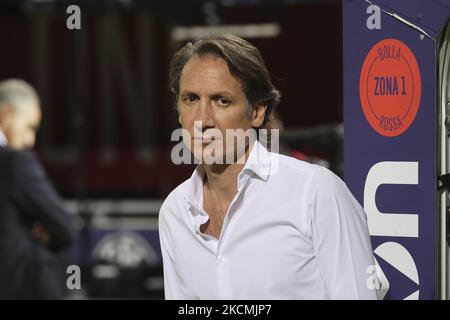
374, 20
390, 224
74, 280
399, 258
74, 20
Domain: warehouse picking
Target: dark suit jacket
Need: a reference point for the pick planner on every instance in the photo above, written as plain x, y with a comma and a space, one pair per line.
28, 269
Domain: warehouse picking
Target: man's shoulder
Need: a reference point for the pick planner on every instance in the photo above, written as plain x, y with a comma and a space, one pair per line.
10, 157
175, 197
24, 160
288, 165
17, 155
318, 179
7, 153
313, 175
16, 164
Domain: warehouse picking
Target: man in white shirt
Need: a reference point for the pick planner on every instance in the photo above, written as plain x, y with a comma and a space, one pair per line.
264, 226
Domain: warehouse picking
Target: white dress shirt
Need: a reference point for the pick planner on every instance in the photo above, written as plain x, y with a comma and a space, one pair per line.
293, 231
3, 140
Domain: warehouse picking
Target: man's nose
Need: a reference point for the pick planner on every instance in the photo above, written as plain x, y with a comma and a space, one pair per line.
206, 114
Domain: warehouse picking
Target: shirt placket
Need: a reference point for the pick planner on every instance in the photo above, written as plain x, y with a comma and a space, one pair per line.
216, 246
223, 275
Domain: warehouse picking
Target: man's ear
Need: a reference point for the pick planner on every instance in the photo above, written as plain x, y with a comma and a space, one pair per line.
258, 114
179, 114
177, 107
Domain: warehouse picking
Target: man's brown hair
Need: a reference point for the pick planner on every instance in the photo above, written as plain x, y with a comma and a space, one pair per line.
242, 58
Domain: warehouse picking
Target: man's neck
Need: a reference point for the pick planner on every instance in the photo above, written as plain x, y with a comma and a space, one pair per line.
222, 178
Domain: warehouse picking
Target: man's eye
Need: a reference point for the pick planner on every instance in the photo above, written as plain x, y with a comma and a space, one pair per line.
224, 102
190, 99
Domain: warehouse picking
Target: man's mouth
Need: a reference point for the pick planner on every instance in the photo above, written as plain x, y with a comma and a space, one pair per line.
205, 139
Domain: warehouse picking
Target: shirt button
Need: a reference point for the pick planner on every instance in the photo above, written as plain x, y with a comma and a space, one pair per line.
220, 258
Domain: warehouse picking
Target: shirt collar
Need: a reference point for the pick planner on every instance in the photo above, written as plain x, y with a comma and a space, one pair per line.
258, 164
3, 140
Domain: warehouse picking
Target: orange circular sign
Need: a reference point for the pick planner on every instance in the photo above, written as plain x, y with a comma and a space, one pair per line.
390, 87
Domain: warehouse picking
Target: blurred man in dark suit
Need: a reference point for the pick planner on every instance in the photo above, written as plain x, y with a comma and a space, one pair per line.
35, 228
